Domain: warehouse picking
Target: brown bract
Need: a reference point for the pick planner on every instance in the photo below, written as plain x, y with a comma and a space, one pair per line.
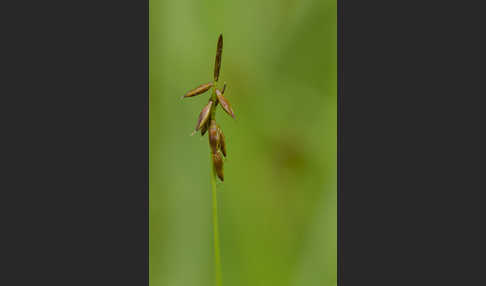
217, 63
213, 136
225, 103
218, 165
199, 90
222, 143
204, 115
204, 128
224, 88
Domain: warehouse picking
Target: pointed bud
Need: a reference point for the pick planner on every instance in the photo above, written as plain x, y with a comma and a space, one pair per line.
198, 90
218, 165
204, 115
217, 63
204, 128
225, 103
213, 136
222, 146
224, 88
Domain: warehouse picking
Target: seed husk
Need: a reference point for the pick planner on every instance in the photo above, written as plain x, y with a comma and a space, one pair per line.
204, 115
199, 90
225, 103
204, 128
222, 145
214, 137
224, 88
218, 165
217, 63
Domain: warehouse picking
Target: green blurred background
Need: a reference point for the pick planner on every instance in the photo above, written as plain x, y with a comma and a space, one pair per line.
278, 204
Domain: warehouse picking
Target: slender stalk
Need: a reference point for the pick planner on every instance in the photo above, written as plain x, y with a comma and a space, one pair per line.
217, 257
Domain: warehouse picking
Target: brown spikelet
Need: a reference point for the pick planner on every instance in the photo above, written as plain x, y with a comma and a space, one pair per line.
225, 103
218, 165
199, 90
204, 128
222, 143
224, 88
219, 52
204, 115
213, 136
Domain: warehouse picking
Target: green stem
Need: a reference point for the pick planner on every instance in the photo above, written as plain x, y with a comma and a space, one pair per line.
217, 257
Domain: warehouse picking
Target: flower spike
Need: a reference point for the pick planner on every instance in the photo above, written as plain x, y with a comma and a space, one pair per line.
206, 122
222, 144
218, 165
204, 128
225, 103
214, 141
219, 52
224, 88
199, 90
204, 115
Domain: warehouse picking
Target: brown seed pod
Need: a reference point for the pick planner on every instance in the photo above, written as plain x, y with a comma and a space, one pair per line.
224, 88
204, 115
204, 128
217, 63
222, 145
213, 136
225, 103
199, 90
218, 165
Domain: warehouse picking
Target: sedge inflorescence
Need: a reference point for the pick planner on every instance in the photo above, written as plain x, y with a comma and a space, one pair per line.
207, 118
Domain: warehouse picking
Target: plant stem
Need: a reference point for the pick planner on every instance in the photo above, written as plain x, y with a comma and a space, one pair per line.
217, 258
